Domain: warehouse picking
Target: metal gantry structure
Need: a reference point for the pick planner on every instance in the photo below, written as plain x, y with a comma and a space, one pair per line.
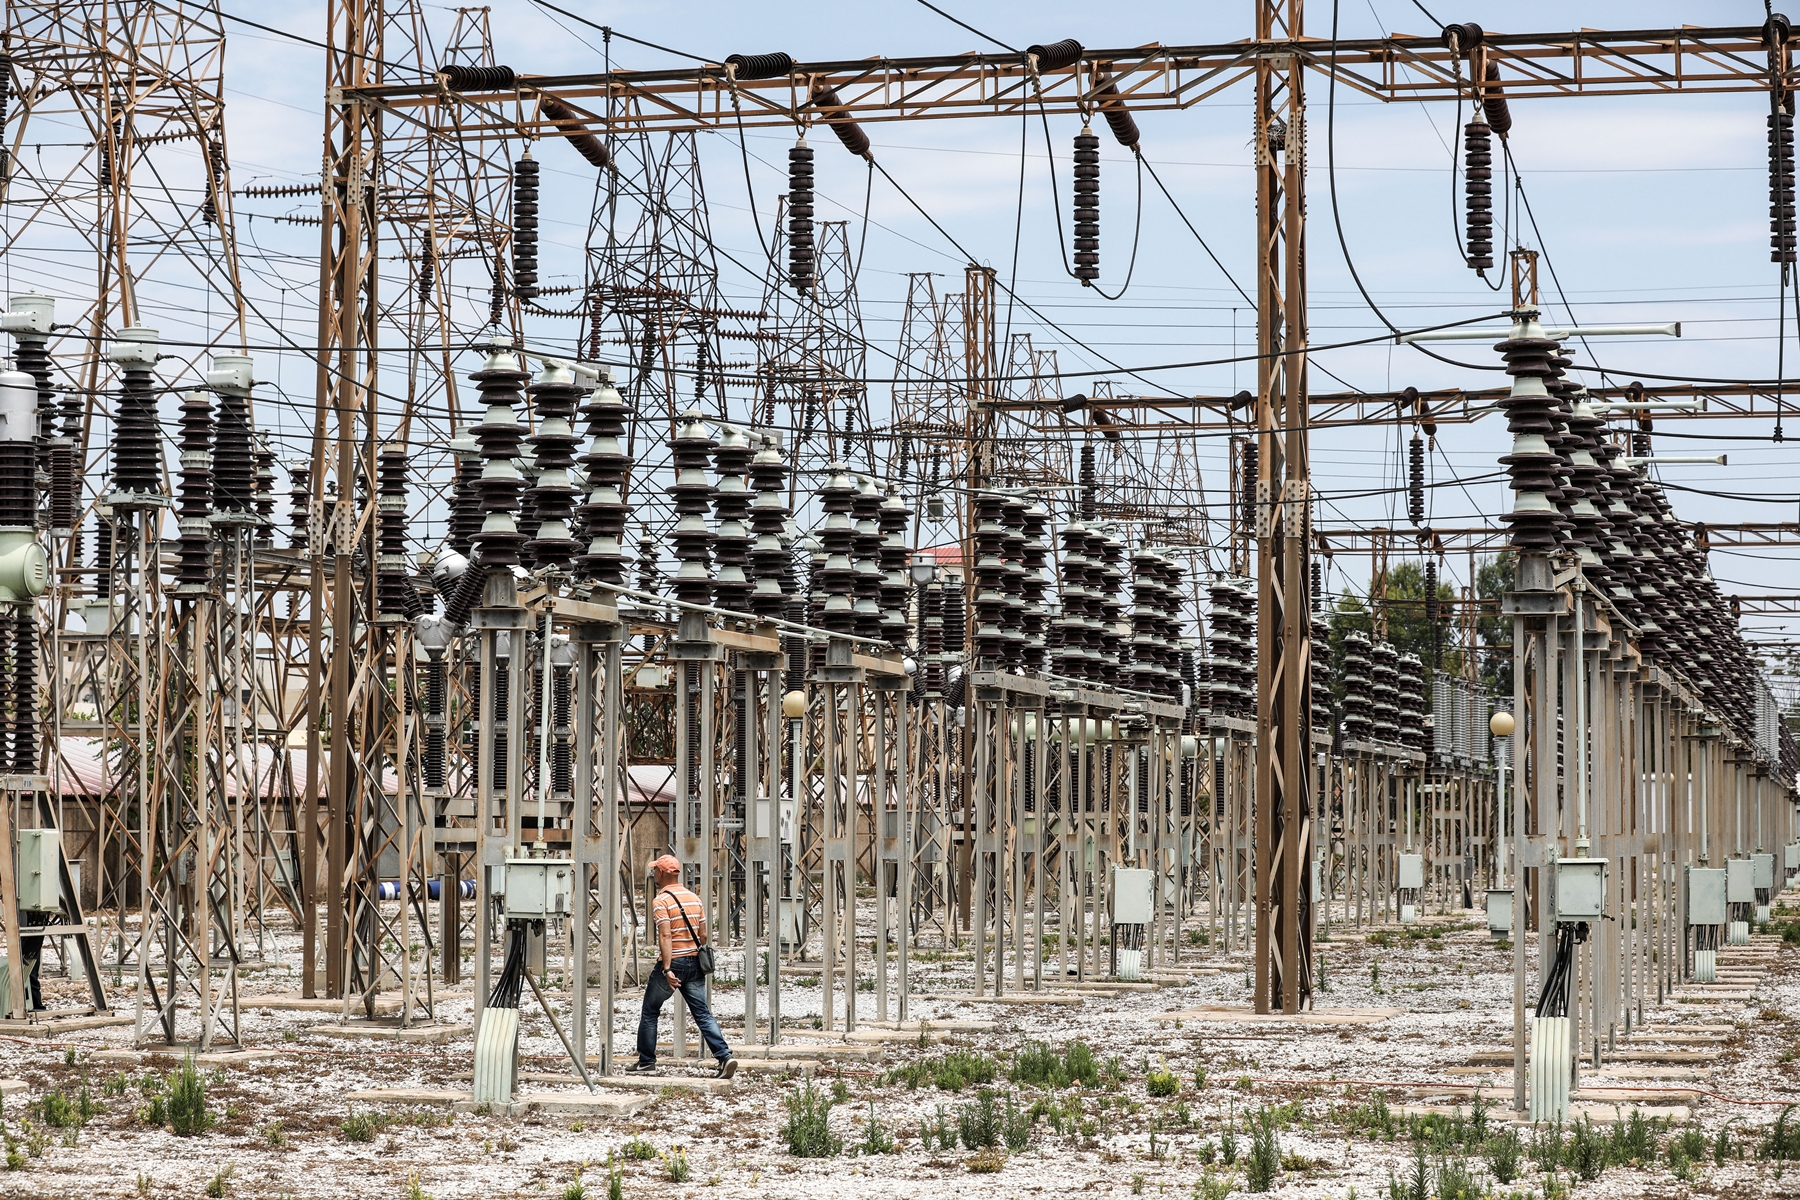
997, 671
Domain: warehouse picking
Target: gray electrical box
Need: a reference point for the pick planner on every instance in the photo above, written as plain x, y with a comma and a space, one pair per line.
1580, 889
1762, 870
1131, 896
1705, 896
1740, 881
1411, 873
1499, 911
40, 870
1791, 854
537, 889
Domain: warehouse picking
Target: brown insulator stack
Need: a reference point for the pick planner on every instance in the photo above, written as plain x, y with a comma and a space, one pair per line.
1411, 705
465, 502
395, 598
234, 463
265, 493
732, 585
1087, 206
299, 504
649, 561
1012, 566
1036, 558
1232, 686
692, 450
834, 578
1781, 186
931, 637
193, 564
895, 561
1321, 676
525, 227
1108, 552
1384, 688
1478, 193
1533, 463
802, 265
1146, 621
988, 579
1586, 492
1069, 631
25, 691
865, 515
500, 437
771, 570
136, 443
554, 398
1415, 480
608, 467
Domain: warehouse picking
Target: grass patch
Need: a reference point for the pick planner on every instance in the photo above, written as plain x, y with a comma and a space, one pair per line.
807, 1130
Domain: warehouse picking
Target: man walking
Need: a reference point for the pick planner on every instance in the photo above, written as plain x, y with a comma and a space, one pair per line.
680, 933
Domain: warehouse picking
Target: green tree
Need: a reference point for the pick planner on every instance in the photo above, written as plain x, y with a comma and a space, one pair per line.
1493, 579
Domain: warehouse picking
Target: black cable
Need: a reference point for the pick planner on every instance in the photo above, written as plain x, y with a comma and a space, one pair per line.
611, 32
1136, 230
1190, 228
1337, 219
1427, 12
940, 12
1519, 186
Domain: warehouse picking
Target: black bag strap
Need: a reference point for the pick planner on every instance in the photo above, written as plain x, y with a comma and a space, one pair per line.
681, 907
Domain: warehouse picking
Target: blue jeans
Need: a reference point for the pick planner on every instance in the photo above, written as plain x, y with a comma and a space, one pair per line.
693, 991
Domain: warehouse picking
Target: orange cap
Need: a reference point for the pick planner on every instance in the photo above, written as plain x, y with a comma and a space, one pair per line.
668, 864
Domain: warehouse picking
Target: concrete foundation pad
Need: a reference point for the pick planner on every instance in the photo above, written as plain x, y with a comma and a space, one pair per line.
1016, 998
656, 1083
813, 1053
776, 1066
583, 1104
867, 1036
1600, 1113
173, 1054
1691, 996
13, 1087
317, 1004
427, 1035
49, 1027
1672, 1038
1331, 1017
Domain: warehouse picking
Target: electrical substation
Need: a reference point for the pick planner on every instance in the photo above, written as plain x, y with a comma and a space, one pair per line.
1106, 752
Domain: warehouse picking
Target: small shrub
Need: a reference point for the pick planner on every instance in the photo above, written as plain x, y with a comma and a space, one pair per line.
1079, 1065
358, 1127
1547, 1146
1212, 1187
1587, 1154
274, 1134
615, 1182
808, 1127
1036, 1065
1114, 1072
1455, 1181
1265, 1153
116, 1083
219, 1185
188, 1114
876, 1138
840, 1091
979, 1122
1015, 1126
58, 1111
940, 1133
1505, 1153
416, 1190
1633, 1140
1724, 1148
638, 1150
1782, 1142
675, 1161
1161, 1083
987, 1162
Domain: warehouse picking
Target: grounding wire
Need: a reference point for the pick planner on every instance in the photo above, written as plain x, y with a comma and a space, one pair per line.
626, 37
1337, 219
940, 12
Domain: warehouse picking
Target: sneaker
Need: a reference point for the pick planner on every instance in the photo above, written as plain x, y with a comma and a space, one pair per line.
641, 1068
727, 1068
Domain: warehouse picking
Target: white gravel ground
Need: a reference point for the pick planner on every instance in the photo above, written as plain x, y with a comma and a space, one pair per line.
1454, 994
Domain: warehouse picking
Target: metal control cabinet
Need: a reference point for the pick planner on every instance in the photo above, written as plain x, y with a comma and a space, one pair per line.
1580, 889
40, 870
1411, 874
1131, 896
1740, 881
1762, 870
538, 888
1705, 896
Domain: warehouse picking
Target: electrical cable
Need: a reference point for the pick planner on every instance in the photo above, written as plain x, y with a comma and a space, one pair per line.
1136, 230
1337, 217
940, 12
609, 31
1190, 228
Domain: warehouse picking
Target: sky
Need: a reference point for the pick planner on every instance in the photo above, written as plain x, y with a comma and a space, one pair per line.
1648, 209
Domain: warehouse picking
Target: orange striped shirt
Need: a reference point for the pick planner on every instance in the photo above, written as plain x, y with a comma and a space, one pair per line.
671, 930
